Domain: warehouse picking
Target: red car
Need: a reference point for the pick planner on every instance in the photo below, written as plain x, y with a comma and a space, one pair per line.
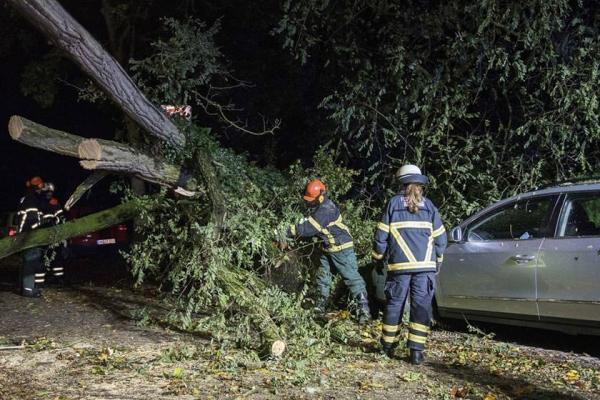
114, 237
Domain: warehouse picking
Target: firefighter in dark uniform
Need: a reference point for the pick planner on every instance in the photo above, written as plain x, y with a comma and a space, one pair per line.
29, 215
325, 221
53, 215
412, 238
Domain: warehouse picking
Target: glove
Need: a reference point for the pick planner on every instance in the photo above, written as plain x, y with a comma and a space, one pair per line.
282, 245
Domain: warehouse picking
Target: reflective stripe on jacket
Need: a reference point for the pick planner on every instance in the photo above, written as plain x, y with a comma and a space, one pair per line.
325, 222
30, 212
412, 242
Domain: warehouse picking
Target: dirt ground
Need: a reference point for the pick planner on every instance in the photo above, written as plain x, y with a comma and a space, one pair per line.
94, 340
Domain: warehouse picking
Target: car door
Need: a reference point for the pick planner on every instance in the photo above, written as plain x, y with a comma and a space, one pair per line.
494, 269
569, 274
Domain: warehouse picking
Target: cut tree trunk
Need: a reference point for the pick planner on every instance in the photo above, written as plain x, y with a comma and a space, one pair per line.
83, 187
67, 34
61, 28
239, 283
100, 154
56, 234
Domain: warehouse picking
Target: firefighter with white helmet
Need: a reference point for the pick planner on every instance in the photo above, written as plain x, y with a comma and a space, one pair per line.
412, 239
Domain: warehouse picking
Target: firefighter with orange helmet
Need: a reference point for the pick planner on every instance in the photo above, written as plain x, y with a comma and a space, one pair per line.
325, 221
29, 217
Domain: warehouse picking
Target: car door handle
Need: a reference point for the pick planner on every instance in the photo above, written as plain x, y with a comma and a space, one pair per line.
523, 258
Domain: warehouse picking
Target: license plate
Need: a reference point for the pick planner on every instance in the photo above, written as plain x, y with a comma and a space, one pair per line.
106, 241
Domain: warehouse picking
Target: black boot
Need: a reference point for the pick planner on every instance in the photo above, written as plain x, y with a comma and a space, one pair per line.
388, 351
416, 356
321, 305
31, 292
364, 314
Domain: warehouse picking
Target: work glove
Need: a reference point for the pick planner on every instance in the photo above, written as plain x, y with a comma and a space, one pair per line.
281, 240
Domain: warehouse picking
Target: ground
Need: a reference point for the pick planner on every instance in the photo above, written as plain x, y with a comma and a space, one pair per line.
100, 339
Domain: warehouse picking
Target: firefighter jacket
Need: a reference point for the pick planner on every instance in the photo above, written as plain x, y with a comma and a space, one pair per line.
412, 242
325, 222
30, 211
52, 213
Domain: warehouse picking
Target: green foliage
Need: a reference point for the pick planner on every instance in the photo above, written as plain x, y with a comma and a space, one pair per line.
490, 98
183, 64
39, 79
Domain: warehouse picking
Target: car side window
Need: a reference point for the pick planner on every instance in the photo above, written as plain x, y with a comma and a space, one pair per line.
580, 216
522, 220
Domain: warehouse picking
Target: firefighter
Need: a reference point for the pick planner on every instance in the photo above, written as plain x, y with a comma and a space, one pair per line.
325, 221
411, 237
31, 274
53, 215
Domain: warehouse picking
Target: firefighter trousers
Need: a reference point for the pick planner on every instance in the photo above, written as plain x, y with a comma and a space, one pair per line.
345, 264
421, 286
31, 273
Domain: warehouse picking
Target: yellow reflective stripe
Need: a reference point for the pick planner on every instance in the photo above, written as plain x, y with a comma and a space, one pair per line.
411, 265
440, 258
315, 224
293, 230
419, 327
324, 231
416, 339
338, 222
412, 224
376, 255
334, 249
429, 249
439, 231
389, 339
390, 328
403, 246
383, 227
330, 237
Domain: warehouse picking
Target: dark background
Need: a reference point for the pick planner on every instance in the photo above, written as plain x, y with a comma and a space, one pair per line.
280, 87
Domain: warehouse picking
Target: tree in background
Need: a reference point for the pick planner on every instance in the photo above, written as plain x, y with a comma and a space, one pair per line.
491, 98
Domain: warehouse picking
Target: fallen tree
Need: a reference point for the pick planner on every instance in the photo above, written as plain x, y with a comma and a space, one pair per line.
243, 288
100, 154
56, 234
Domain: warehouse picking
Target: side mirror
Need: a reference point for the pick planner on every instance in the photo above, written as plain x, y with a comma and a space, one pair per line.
456, 234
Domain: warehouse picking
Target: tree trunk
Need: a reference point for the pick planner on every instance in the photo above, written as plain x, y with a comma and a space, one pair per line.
67, 34
239, 284
100, 154
56, 234
83, 187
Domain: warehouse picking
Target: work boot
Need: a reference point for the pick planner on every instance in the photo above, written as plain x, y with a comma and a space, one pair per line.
364, 314
25, 292
388, 351
416, 356
321, 305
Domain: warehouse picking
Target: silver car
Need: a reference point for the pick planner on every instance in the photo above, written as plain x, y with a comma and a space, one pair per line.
530, 260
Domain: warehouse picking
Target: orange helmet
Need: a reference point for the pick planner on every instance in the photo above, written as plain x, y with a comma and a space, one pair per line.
314, 189
36, 181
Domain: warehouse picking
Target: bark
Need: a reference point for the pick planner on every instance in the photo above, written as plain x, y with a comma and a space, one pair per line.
239, 284
56, 234
213, 188
83, 187
100, 154
67, 34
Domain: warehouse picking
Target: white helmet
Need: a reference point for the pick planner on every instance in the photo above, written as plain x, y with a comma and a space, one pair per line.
411, 174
